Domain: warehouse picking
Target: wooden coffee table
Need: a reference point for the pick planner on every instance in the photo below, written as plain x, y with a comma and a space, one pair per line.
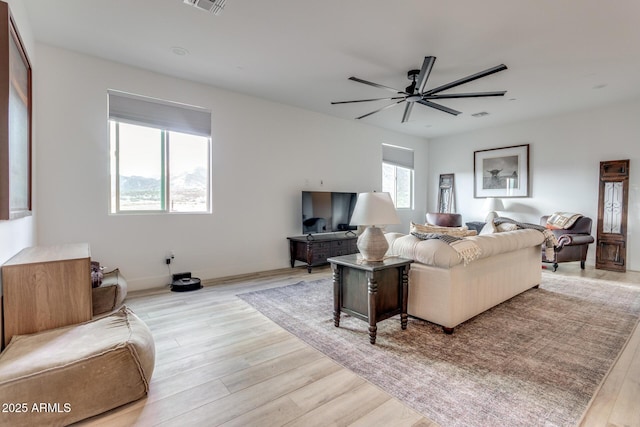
371, 291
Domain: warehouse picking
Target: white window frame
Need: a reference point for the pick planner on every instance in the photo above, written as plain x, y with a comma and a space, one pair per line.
139, 117
399, 158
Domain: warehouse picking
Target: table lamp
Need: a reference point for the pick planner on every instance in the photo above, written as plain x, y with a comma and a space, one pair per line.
491, 205
373, 209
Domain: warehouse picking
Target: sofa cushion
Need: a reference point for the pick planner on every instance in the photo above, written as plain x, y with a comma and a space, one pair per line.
440, 254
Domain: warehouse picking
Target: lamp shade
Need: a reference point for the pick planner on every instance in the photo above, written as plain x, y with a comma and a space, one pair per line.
374, 209
493, 204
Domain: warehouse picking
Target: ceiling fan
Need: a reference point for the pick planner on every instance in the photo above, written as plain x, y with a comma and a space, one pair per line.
416, 93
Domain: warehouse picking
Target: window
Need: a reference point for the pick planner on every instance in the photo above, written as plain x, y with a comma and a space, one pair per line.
160, 156
397, 175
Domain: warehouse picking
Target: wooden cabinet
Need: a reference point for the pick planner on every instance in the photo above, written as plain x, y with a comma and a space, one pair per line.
611, 251
45, 287
315, 249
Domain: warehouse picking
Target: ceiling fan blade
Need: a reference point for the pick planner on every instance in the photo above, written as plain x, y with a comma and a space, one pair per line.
355, 79
425, 71
465, 95
467, 79
367, 100
439, 107
380, 109
407, 112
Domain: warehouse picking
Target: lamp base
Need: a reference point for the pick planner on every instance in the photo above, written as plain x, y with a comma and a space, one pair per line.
372, 244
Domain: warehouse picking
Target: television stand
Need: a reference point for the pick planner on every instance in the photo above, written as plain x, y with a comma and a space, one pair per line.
314, 251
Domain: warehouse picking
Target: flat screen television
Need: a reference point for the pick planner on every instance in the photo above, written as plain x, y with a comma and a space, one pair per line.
327, 211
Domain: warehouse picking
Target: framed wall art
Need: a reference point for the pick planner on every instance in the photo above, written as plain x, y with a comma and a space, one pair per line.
15, 121
501, 172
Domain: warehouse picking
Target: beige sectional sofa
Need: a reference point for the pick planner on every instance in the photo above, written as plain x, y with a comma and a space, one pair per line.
445, 291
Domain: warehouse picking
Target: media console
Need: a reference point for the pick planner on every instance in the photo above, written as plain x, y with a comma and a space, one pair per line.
314, 249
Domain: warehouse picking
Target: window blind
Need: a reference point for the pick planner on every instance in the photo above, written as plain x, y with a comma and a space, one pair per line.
156, 113
398, 156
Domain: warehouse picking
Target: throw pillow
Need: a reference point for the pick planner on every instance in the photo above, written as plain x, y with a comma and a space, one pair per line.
449, 231
489, 228
506, 226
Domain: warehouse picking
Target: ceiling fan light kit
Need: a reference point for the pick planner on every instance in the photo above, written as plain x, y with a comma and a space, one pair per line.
416, 93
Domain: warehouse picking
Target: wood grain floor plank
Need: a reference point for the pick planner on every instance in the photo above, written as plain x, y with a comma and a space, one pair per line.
626, 410
392, 413
326, 389
269, 369
602, 405
248, 399
275, 413
345, 409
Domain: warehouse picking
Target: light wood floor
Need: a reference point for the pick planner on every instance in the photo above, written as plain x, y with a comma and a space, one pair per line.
220, 362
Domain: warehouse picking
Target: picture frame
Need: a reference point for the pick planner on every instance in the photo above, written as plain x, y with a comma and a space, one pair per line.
15, 121
446, 196
501, 172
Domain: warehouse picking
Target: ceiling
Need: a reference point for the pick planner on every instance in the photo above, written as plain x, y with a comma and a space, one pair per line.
562, 55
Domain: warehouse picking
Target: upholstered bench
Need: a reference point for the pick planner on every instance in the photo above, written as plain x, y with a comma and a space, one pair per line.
64, 375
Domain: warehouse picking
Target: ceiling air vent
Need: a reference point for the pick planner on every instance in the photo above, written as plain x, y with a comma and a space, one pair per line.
215, 6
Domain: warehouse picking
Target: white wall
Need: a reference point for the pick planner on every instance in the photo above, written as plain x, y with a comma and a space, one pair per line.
565, 155
264, 154
20, 233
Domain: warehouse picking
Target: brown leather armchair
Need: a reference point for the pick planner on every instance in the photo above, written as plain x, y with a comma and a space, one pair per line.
573, 242
444, 219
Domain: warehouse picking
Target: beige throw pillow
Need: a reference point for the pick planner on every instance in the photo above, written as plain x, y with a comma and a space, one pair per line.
507, 226
488, 228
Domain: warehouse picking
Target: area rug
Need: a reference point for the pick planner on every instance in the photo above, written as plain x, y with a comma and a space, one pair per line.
535, 360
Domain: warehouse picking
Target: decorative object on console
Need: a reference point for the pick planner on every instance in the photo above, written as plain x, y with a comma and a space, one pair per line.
572, 242
374, 209
501, 172
444, 219
611, 251
491, 205
446, 194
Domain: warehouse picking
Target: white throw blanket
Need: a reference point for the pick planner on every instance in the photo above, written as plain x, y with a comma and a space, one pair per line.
466, 249
562, 220
550, 240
